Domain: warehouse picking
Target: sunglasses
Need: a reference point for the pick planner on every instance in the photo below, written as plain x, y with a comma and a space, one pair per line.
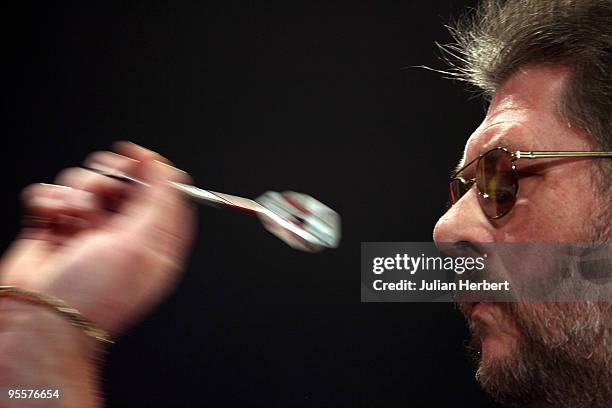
497, 177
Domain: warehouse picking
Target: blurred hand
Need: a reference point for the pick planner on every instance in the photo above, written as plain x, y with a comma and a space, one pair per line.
110, 249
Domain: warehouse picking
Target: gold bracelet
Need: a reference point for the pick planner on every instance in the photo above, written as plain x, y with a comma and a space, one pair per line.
74, 316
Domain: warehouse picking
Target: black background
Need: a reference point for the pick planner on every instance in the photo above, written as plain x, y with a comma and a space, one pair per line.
248, 97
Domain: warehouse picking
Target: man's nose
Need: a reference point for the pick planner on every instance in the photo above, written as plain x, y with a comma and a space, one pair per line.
464, 222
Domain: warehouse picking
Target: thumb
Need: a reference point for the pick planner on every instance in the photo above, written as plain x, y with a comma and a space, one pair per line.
158, 216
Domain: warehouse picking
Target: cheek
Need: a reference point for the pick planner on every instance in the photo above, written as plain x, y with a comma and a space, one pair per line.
551, 208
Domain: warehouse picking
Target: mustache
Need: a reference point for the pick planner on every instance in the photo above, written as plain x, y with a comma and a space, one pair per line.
509, 309
535, 272
493, 272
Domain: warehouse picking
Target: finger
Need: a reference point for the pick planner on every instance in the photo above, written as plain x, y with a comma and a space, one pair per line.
110, 161
82, 179
140, 155
48, 203
137, 152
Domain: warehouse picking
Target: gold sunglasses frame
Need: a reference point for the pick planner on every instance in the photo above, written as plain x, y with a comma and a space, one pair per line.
514, 156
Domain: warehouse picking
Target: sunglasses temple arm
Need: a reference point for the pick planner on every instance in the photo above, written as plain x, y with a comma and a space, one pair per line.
466, 165
540, 154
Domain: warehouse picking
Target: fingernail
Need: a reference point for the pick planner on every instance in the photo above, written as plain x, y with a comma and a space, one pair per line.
81, 200
168, 168
38, 201
56, 186
132, 143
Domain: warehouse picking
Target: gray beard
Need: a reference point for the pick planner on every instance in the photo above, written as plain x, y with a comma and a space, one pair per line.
563, 358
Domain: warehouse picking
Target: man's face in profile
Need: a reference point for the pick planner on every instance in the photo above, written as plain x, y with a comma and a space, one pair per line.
530, 352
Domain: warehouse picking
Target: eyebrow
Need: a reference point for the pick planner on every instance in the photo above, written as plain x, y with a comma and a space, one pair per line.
498, 140
463, 165
458, 167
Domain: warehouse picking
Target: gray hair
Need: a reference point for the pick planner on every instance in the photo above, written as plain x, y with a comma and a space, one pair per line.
500, 37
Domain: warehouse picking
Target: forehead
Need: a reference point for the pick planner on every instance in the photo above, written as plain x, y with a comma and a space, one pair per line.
524, 115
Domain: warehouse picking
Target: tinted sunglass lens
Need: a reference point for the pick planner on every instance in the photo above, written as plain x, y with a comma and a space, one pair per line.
455, 191
497, 182
457, 188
